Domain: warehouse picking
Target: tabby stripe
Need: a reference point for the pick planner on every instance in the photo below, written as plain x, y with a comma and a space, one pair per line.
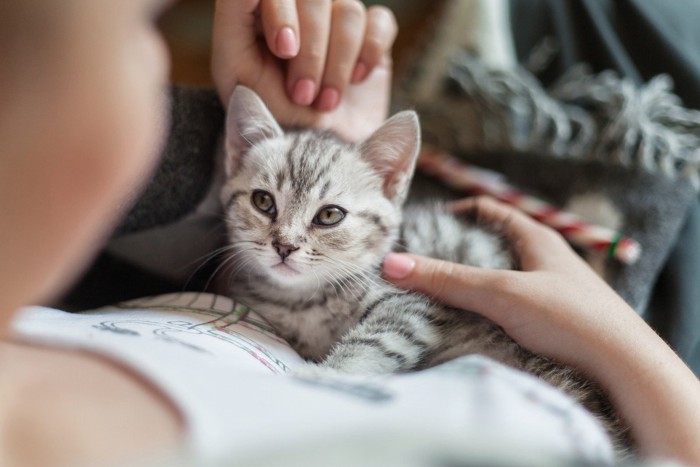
376, 220
265, 178
324, 189
335, 156
320, 173
376, 343
436, 226
290, 158
391, 325
280, 180
378, 302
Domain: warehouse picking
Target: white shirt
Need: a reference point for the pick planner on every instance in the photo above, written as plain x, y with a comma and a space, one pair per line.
225, 371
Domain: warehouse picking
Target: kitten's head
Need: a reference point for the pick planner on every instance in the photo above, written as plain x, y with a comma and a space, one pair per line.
304, 208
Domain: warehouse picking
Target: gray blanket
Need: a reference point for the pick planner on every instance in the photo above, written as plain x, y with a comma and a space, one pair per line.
591, 140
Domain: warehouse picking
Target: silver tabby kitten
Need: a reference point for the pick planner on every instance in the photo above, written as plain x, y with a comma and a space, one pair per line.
309, 219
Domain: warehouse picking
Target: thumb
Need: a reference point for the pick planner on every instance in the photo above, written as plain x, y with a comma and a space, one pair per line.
457, 285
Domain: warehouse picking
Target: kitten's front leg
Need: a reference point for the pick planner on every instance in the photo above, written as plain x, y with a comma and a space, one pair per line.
395, 335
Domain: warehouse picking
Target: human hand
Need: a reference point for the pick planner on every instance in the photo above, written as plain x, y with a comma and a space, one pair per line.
318, 63
555, 305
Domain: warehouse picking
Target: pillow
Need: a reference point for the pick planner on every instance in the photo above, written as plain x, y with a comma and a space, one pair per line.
620, 156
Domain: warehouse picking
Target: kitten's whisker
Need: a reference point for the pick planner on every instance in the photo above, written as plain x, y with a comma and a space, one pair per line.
203, 260
369, 275
235, 265
338, 276
353, 283
213, 254
221, 268
337, 283
237, 268
361, 277
318, 285
229, 260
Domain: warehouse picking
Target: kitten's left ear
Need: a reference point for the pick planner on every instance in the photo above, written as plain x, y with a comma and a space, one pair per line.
392, 150
248, 122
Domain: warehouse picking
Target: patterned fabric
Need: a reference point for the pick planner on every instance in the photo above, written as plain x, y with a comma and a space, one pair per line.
221, 367
583, 116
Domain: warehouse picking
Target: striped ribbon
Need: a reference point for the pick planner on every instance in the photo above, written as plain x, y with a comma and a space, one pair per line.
475, 180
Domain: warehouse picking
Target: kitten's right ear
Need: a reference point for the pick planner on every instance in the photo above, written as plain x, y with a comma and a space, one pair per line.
392, 150
248, 122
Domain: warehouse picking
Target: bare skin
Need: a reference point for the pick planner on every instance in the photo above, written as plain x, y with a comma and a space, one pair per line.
81, 130
557, 306
81, 126
340, 52
62, 407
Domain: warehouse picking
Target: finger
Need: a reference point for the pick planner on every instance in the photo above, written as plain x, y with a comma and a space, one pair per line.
380, 35
458, 285
306, 69
281, 27
235, 43
347, 32
535, 244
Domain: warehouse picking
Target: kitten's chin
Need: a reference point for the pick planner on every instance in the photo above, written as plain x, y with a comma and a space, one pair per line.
286, 274
285, 270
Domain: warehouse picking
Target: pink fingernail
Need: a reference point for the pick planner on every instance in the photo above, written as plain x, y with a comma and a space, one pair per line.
328, 99
359, 73
304, 91
286, 43
398, 266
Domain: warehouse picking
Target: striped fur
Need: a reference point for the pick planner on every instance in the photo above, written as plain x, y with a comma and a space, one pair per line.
327, 297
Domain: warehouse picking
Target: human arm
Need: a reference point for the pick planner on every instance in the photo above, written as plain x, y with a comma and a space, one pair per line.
557, 306
315, 63
64, 407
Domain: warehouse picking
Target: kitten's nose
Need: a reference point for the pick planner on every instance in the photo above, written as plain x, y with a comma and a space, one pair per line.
284, 250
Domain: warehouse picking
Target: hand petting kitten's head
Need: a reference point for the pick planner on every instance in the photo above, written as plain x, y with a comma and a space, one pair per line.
303, 207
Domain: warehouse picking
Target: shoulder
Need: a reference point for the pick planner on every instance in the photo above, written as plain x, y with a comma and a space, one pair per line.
67, 407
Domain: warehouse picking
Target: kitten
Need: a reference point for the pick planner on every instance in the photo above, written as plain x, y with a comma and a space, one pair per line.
309, 219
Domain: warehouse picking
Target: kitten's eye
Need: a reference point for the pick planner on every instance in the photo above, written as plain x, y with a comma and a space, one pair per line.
264, 202
329, 215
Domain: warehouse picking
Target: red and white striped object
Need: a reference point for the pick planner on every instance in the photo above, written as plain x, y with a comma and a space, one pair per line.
461, 176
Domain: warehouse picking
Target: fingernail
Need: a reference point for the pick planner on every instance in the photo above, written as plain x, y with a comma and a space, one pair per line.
359, 73
286, 42
398, 266
328, 99
304, 91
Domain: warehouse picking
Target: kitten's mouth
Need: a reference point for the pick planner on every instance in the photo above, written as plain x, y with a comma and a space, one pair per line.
285, 268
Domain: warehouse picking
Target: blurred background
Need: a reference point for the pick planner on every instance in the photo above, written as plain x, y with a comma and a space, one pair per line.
187, 28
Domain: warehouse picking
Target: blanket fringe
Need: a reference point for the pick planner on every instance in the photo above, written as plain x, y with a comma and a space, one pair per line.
599, 117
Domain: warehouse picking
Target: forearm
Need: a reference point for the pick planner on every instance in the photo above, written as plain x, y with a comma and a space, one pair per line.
651, 387
557, 306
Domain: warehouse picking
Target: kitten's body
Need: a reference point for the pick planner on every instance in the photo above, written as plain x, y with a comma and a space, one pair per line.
318, 284
315, 318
